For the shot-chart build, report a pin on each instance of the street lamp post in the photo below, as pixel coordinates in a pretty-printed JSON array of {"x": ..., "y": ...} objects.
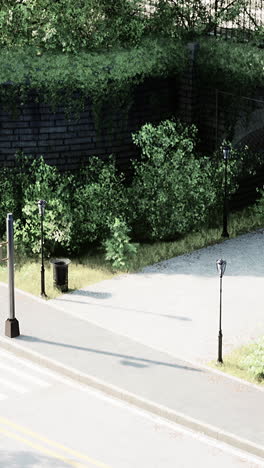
[
  {"x": 221, "y": 266},
  {"x": 41, "y": 206},
  {"x": 226, "y": 154}
]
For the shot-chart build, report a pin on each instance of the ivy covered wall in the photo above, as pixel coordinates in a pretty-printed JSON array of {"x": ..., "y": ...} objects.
[
  {"x": 36, "y": 129},
  {"x": 202, "y": 84}
]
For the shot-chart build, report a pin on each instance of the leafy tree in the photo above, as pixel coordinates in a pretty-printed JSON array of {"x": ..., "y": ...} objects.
[
  {"x": 88, "y": 24},
  {"x": 70, "y": 26},
  {"x": 196, "y": 17}
]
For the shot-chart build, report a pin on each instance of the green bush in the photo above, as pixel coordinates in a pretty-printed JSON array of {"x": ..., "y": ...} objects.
[
  {"x": 172, "y": 191},
  {"x": 259, "y": 206},
  {"x": 118, "y": 246},
  {"x": 14, "y": 180},
  {"x": 99, "y": 197},
  {"x": 80, "y": 209},
  {"x": 254, "y": 362},
  {"x": 49, "y": 185}
]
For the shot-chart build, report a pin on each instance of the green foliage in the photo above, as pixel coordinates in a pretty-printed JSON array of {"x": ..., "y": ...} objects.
[
  {"x": 7, "y": 199},
  {"x": 118, "y": 246},
  {"x": 242, "y": 163},
  {"x": 91, "y": 24},
  {"x": 79, "y": 208},
  {"x": 259, "y": 206},
  {"x": 69, "y": 52},
  {"x": 45, "y": 183},
  {"x": 192, "y": 18},
  {"x": 70, "y": 27},
  {"x": 254, "y": 361},
  {"x": 172, "y": 192},
  {"x": 98, "y": 198},
  {"x": 69, "y": 80},
  {"x": 230, "y": 66}
]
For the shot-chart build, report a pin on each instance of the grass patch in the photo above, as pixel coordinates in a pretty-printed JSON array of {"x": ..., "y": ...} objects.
[
  {"x": 232, "y": 364},
  {"x": 92, "y": 267},
  {"x": 27, "y": 277}
]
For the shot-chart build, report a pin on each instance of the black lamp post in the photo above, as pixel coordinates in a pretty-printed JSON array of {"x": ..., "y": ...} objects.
[
  {"x": 41, "y": 206},
  {"x": 226, "y": 155},
  {"x": 221, "y": 266}
]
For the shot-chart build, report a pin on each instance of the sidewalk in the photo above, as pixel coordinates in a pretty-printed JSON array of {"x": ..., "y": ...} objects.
[{"x": 144, "y": 337}]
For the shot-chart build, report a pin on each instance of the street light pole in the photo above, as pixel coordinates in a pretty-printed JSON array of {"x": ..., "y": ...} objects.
[
  {"x": 226, "y": 154},
  {"x": 11, "y": 324},
  {"x": 221, "y": 266},
  {"x": 41, "y": 206}
]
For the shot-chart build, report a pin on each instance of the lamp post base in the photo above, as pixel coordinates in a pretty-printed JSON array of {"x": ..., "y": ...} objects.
[
  {"x": 220, "y": 338},
  {"x": 225, "y": 234},
  {"x": 12, "y": 328}
]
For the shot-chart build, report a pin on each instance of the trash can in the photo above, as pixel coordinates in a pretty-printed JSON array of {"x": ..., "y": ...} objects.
[{"x": 60, "y": 273}]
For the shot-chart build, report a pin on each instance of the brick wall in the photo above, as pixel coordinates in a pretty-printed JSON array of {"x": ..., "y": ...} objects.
[{"x": 67, "y": 144}]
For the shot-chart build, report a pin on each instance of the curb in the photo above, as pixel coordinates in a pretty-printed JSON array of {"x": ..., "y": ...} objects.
[{"x": 144, "y": 404}]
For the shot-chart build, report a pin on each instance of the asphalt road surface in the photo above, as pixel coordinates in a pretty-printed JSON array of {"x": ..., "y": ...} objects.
[{"x": 48, "y": 421}]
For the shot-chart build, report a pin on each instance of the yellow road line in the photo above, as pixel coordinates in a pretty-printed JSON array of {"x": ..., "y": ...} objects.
[
  {"x": 40, "y": 448},
  {"x": 39, "y": 437}
]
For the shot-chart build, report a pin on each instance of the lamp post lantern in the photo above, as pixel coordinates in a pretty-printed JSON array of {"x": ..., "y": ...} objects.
[
  {"x": 226, "y": 155},
  {"x": 41, "y": 206},
  {"x": 221, "y": 266}
]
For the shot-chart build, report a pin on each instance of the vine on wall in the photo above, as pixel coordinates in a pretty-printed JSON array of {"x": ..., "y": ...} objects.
[
  {"x": 230, "y": 66},
  {"x": 69, "y": 79}
]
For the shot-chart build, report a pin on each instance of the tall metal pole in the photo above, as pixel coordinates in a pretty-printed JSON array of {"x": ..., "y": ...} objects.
[
  {"x": 11, "y": 324},
  {"x": 10, "y": 262},
  {"x": 43, "y": 294},
  {"x": 225, "y": 231},
  {"x": 220, "y": 334}
]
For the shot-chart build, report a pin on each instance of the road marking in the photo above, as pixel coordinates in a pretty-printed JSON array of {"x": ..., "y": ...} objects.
[
  {"x": 34, "y": 435},
  {"x": 16, "y": 387},
  {"x": 43, "y": 370},
  {"x": 23, "y": 374},
  {"x": 41, "y": 448}
]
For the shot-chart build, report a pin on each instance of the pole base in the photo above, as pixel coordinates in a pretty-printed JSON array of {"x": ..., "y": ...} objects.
[
  {"x": 12, "y": 328},
  {"x": 225, "y": 234}
]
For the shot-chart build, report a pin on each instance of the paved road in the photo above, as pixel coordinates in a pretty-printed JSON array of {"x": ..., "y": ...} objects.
[
  {"x": 20, "y": 378},
  {"x": 142, "y": 338},
  {"x": 56, "y": 423}
]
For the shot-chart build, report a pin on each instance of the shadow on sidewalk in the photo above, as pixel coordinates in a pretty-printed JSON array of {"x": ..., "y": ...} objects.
[
  {"x": 95, "y": 294},
  {"x": 127, "y": 360},
  {"x": 108, "y": 306}
]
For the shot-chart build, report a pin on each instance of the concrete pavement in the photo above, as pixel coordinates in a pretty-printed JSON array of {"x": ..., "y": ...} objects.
[{"x": 144, "y": 338}]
